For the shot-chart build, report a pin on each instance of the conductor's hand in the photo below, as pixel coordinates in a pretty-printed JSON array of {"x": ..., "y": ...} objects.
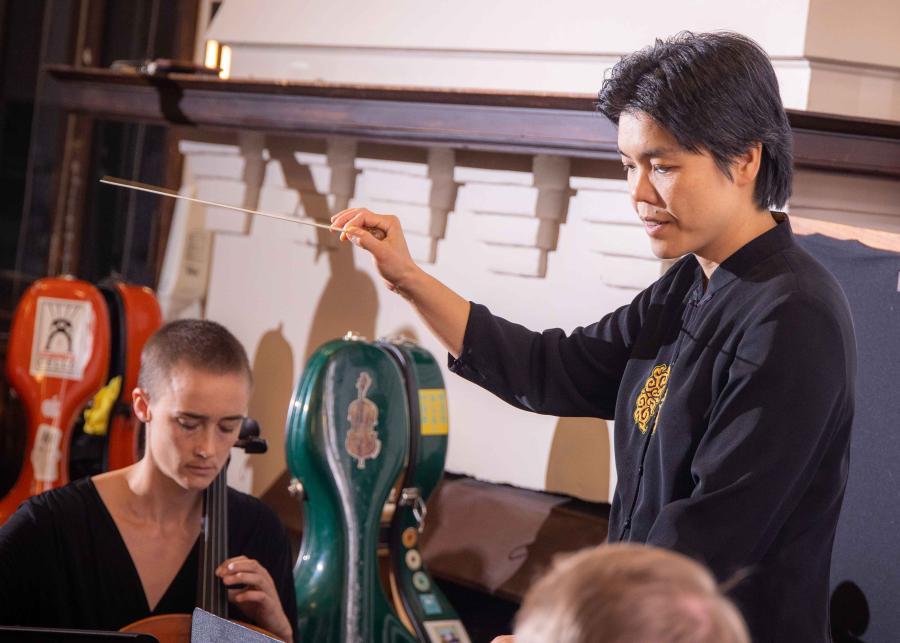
[
  {"x": 257, "y": 596},
  {"x": 391, "y": 255},
  {"x": 445, "y": 312}
]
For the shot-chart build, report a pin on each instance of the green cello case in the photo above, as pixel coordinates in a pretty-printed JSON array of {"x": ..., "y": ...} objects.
[{"x": 347, "y": 439}]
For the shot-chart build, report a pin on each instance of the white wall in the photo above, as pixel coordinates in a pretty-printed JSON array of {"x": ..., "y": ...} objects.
[
  {"x": 861, "y": 31},
  {"x": 565, "y": 26},
  {"x": 830, "y": 55}
]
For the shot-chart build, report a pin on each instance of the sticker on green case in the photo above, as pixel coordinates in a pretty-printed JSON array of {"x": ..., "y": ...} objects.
[{"x": 433, "y": 411}]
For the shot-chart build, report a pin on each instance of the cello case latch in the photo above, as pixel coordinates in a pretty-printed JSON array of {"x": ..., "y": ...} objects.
[{"x": 412, "y": 497}]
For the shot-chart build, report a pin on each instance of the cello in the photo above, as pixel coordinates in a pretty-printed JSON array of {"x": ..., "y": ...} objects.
[
  {"x": 57, "y": 359},
  {"x": 212, "y": 594}
]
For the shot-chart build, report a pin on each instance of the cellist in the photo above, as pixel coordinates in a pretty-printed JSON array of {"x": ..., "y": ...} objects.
[{"x": 106, "y": 551}]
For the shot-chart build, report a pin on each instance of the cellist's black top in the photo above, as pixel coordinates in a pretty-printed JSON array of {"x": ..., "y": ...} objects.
[{"x": 63, "y": 562}]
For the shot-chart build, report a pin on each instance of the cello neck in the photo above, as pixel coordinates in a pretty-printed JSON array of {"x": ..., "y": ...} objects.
[{"x": 212, "y": 594}]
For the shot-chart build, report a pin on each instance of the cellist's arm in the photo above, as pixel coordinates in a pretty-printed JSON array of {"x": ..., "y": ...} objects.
[
  {"x": 444, "y": 311},
  {"x": 258, "y": 598}
]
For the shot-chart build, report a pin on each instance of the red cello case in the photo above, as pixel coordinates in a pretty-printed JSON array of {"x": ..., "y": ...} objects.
[
  {"x": 134, "y": 316},
  {"x": 57, "y": 359}
]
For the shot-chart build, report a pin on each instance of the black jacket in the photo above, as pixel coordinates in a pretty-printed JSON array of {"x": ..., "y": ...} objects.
[{"x": 732, "y": 408}]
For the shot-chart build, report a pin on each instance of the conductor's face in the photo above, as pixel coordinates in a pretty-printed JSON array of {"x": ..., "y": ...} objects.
[
  {"x": 193, "y": 420},
  {"x": 686, "y": 203}
]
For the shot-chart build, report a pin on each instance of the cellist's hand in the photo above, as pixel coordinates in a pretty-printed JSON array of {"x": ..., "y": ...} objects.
[
  {"x": 391, "y": 254},
  {"x": 258, "y": 599}
]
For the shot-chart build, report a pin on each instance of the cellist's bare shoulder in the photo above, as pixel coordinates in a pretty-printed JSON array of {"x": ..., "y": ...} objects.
[{"x": 112, "y": 487}]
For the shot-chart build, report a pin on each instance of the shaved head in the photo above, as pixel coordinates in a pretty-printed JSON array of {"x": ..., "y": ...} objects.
[{"x": 200, "y": 344}]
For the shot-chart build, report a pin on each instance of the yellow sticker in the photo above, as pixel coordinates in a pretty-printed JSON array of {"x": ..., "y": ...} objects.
[
  {"x": 433, "y": 411},
  {"x": 96, "y": 418}
]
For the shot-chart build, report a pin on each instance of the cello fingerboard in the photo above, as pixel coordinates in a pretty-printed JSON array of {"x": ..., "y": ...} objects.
[{"x": 212, "y": 595}]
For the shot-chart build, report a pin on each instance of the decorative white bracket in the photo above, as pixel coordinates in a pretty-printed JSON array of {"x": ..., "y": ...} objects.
[
  {"x": 519, "y": 214},
  {"x": 421, "y": 194}
]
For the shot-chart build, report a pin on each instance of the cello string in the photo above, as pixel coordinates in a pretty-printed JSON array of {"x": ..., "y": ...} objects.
[
  {"x": 215, "y": 537},
  {"x": 216, "y": 584},
  {"x": 204, "y": 573},
  {"x": 201, "y": 585},
  {"x": 217, "y": 544},
  {"x": 222, "y": 539},
  {"x": 224, "y": 533}
]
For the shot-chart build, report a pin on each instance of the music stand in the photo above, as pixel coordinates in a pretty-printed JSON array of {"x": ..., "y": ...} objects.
[
  {"x": 209, "y": 628},
  {"x": 19, "y": 634}
]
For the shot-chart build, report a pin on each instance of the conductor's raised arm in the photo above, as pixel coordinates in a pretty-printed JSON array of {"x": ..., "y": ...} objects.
[{"x": 443, "y": 310}]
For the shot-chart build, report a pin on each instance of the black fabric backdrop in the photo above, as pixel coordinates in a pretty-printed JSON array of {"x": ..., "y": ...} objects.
[{"x": 865, "y": 570}]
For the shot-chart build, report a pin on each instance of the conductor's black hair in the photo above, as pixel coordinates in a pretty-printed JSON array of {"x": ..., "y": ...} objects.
[{"x": 712, "y": 91}]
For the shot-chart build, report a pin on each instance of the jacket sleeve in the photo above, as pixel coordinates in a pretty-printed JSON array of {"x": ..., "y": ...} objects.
[
  {"x": 787, "y": 399},
  {"x": 574, "y": 375}
]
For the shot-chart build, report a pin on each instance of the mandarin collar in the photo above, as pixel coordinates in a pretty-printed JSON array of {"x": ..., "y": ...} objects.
[{"x": 746, "y": 258}]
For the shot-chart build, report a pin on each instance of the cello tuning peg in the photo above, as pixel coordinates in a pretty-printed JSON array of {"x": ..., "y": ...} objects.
[
  {"x": 249, "y": 428},
  {"x": 256, "y": 445},
  {"x": 248, "y": 438}
]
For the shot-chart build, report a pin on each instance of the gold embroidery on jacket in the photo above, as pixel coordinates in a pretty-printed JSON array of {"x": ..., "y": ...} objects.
[{"x": 651, "y": 397}]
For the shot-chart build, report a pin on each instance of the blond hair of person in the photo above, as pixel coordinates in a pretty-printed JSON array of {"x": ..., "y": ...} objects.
[{"x": 627, "y": 593}]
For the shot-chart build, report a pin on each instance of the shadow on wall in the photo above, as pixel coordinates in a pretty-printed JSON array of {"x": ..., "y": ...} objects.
[
  {"x": 580, "y": 459},
  {"x": 349, "y": 301},
  {"x": 273, "y": 377}
]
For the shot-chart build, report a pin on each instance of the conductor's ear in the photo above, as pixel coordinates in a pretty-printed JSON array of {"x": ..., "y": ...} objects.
[
  {"x": 746, "y": 166},
  {"x": 140, "y": 402}
]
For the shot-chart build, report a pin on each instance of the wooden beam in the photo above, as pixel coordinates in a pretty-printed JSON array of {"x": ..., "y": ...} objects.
[
  {"x": 391, "y": 116},
  {"x": 525, "y": 123}
]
